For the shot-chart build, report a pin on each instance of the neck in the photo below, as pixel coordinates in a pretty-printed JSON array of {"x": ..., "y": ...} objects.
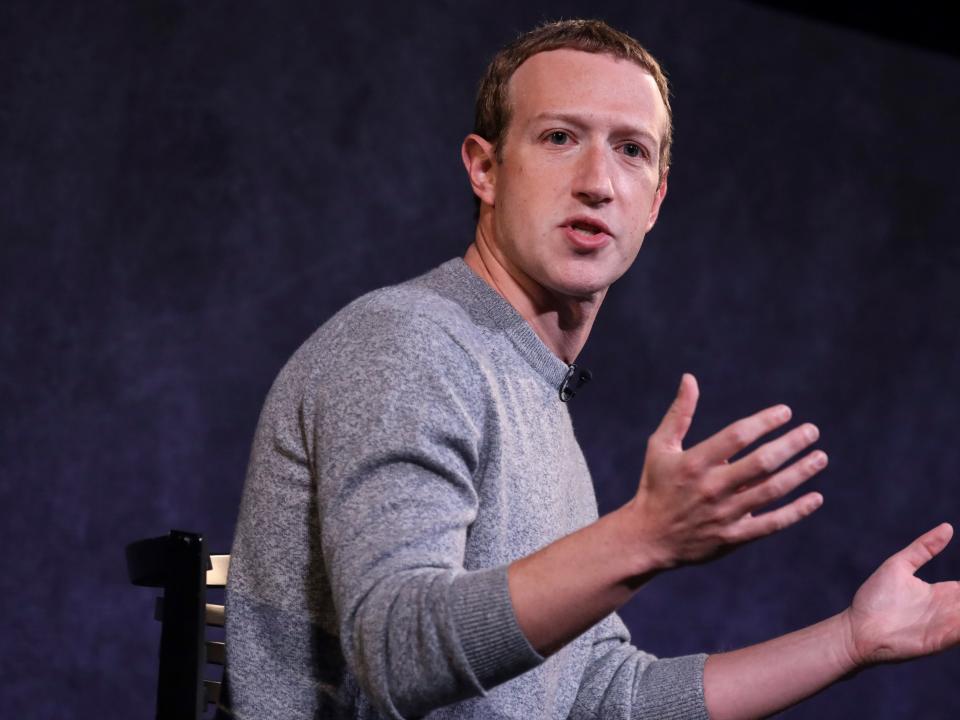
[{"x": 562, "y": 322}]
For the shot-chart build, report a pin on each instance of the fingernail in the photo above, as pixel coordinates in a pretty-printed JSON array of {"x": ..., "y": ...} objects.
[
  {"x": 784, "y": 412},
  {"x": 812, "y": 432},
  {"x": 819, "y": 460}
]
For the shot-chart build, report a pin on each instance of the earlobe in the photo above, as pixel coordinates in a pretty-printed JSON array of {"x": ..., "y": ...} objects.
[
  {"x": 658, "y": 201},
  {"x": 480, "y": 163}
]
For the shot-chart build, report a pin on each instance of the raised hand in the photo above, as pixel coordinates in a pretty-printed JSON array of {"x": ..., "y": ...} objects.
[
  {"x": 896, "y": 615},
  {"x": 694, "y": 504}
]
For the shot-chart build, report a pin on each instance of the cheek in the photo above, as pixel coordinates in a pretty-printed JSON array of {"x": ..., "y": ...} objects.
[
  {"x": 536, "y": 181},
  {"x": 531, "y": 197}
]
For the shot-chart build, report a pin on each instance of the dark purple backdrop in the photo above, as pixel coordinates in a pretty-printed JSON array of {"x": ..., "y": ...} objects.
[{"x": 188, "y": 189}]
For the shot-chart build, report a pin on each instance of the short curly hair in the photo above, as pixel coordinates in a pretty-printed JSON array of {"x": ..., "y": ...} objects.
[{"x": 492, "y": 115}]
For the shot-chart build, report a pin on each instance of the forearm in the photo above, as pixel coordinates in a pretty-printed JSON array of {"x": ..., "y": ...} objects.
[
  {"x": 781, "y": 672},
  {"x": 565, "y": 588},
  {"x": 690, "y": 506},
  {"x": 427, "y": 638}
]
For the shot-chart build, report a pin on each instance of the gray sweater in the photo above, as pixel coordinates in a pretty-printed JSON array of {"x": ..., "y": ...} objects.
[{"x": 409, "y": 451}]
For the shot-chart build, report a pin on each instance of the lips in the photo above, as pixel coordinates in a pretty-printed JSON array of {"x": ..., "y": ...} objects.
[{"x": 586, "y": 233}]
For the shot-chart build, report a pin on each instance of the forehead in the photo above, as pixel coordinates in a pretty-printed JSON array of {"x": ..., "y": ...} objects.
[{"x": 564, "y": 81}]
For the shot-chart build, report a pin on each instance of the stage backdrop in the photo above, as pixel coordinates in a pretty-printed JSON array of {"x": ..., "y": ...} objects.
[{"x": 187, "y": 190}]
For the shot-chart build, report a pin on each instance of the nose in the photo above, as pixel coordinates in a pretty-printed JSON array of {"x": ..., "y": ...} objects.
[{"x": 593, "y": 183}]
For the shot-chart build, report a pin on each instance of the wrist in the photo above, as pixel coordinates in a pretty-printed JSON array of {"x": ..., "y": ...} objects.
[
  {"x": 850, "y": 654},
  {"x": 647, "y": 556}
]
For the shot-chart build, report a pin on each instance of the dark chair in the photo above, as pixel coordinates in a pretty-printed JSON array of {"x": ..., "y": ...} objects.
[{"x": 180, "y": 564}]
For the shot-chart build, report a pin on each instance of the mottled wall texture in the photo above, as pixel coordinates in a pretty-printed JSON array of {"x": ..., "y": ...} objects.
[{"x": 188, "y": 189}]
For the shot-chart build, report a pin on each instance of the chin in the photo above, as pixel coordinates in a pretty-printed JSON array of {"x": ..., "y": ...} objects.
[
  {"x": 581, "y": 288},
  {"x": 585, "y": 284}
]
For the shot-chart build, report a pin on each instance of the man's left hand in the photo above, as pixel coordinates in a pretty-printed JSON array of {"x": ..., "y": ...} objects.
[{"x": 896, "y": 615}]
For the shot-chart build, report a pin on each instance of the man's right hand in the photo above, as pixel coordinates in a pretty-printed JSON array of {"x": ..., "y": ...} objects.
[
  {"x": 692, "y": 505},
  {"x": 695, "y": 504}
]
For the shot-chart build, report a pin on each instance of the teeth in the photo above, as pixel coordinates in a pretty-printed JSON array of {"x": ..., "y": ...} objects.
[{"x": 588, "y": 229}]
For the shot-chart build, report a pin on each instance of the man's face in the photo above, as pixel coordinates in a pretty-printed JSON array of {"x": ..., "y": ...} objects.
[{"x": 579, "y": 183}]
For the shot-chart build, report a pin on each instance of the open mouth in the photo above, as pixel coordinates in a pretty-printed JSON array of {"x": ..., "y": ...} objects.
[
  {"x": 587, "y": 234},
  {"x": 586, "y": 228}
]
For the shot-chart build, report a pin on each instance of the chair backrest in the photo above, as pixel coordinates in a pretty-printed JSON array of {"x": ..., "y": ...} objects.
[{"x": 180, "y": 564}]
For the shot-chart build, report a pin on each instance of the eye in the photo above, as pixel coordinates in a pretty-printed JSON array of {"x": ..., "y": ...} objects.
[
  {"x": 558, "y": 137},
  {"x": 633, "y": 150}
]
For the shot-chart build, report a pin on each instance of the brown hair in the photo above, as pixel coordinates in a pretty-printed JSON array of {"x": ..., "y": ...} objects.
[{"x": 594, "y": 36}]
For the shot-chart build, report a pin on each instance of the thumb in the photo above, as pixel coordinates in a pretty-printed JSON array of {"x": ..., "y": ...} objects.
[
  {"x": 675, "y": 424},
  {"x": 926, "y": 547}
]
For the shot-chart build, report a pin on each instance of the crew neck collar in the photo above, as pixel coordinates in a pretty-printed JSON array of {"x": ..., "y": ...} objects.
[{"x": 488, "y": 307}]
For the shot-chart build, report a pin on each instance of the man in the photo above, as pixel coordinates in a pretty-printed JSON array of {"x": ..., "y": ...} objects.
[{"x": 418, "y": 534}]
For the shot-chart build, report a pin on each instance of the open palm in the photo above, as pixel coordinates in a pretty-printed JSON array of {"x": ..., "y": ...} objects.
[{"x": 896, "y": 615}]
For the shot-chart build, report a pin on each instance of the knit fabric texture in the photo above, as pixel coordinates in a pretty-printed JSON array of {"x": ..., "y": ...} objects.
[{"x": 408, "y": 452}]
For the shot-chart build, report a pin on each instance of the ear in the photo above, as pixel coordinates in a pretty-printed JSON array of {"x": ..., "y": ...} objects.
[
  {"x": 480, "y": 161},
  {"x": 658, "y": 201}
]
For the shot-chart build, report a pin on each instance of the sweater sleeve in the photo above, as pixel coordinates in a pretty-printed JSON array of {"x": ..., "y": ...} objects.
[
  {"x": 396, "y": 437},
  {"x": 623, "y": 682}
]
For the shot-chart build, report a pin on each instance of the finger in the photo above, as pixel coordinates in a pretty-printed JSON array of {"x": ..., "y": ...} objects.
[
  {"x": 675, "y": 424},
  {"x": 926, "y": 547},
  {"x": 780, "y": 484},
  {"x": 736, "y": 436},
  {"x": 768, "y": 458},
  {"x": 776, "y": 520}
]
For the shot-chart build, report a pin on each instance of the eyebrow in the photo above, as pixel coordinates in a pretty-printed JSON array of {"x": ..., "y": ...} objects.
[{"x": 582, "y": 124}]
